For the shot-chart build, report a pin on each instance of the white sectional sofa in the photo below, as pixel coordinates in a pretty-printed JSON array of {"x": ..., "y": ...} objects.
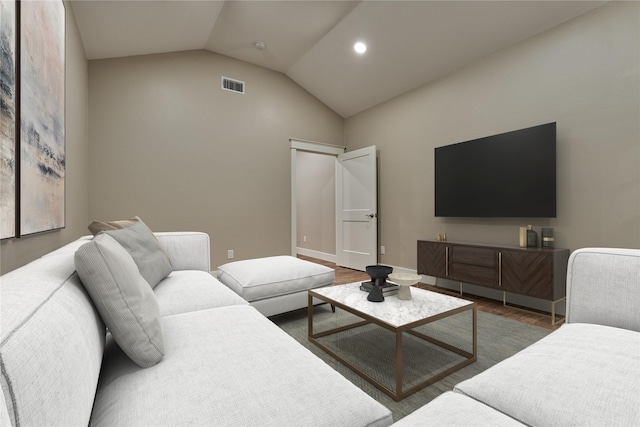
[
  {"x": 223, "y": 362},
  {"x": 586, "y": 373}
]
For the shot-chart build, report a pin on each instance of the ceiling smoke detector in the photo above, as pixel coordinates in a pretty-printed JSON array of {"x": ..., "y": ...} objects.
[{"x": 259, "y": 45}]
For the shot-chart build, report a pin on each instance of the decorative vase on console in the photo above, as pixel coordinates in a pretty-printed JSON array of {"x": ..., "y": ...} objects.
[{"x": 532, "y": 237}]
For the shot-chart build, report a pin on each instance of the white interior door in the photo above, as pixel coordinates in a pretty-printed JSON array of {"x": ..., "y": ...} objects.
[{"x": 356, "y": 205}]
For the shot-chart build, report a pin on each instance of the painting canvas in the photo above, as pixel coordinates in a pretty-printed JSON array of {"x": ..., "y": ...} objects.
[
  {"x": 7, "y": 118},
  {"x": 42, "y": 116}
]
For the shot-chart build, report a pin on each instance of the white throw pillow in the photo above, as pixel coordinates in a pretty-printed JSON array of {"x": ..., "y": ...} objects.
[{"x": 123, "y": 298}]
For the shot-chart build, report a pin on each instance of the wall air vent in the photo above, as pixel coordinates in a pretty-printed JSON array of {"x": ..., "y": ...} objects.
[{"x": 232, "y": 85}]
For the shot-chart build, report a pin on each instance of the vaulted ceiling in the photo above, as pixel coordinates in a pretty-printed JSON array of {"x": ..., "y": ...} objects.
[{"x": 409, "y": 42}]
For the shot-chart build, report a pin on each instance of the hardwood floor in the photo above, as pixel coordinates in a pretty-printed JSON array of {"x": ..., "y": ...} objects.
[{"x": 346, "y": 275}]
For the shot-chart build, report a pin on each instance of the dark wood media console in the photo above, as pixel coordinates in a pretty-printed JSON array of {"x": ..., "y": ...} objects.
[{"x": 534, "y": 272}]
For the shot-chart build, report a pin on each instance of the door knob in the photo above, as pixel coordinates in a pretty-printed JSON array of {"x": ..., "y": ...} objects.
[{"x": 371, "y": 216}]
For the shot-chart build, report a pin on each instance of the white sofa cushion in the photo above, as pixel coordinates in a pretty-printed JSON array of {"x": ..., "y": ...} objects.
[
  {"x": 4, "y": 412},
  {"x": 592, "y": 269},
  {"x": 145, "y": 249},
  {"x": 123, "y": 298},
  {"x": 580, "y": 375},
  {"x": 454, "y": 409},
  {"x": 51, "y": 344},
  {"x": 185, "y": 291},
  {"x": 255, "y": 279},
  {"x": 187, "y": 250},
  {"x": 230, "y": 366}
]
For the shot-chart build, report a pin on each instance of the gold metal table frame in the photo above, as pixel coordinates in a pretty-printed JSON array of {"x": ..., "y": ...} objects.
[{"x": 397, "y": 394}]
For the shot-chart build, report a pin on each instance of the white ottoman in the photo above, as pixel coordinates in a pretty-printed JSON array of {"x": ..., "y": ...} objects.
[{"x": 276, "y": 284}]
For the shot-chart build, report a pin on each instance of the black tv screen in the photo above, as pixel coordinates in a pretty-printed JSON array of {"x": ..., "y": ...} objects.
[{"x": 512, "y": 174}]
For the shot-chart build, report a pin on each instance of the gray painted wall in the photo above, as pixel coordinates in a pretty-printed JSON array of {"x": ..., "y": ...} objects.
[
  {"x": 168, "y": 144},
  {"x": 585, "y": 75}
]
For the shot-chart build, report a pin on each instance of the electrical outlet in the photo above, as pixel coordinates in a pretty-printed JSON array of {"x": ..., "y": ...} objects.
[
  {"x": 230, "y": 254},
  {"x": 304, "y": 239},
  {"x": 381, "y": 250}
]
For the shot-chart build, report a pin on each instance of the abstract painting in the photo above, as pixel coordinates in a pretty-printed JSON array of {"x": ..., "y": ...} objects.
[
  {"x": 42, "y": 116},
  {"x": 7, "y": 118}
]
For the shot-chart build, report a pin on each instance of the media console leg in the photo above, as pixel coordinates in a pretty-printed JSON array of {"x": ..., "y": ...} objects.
[{"x": 553, "y": 309}]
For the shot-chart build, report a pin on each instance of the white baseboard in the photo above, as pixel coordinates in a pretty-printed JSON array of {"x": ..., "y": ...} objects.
[
  {"x": 332, "y": 258},
  {"x": 317, "y": 254}
]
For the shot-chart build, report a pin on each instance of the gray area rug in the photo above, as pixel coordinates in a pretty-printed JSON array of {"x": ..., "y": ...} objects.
[{"x": 372, "y": 349}]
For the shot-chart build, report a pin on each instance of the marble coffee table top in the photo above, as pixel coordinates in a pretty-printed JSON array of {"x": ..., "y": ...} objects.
[{"x": 393, "y": 311}]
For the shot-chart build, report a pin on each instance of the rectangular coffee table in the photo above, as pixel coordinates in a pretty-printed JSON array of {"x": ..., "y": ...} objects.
[{"x": 397, "y": 316}]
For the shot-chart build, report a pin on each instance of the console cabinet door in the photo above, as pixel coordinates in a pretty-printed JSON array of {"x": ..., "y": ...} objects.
[
  {"x": 433, "y": 258},
  {"x": 527, "y": 273}
]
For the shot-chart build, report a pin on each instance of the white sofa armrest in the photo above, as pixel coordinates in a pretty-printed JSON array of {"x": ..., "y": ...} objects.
[
  {"x": 187, "y": 250},
  {"x": 603, "y": 287}
]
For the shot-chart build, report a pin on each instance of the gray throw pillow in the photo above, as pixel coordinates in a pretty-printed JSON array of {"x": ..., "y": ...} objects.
[
  {"x": 123, "y": 298},
  {"x": 142, "y": 245}
]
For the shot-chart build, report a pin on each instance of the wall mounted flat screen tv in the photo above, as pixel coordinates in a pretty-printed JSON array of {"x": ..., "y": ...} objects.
[{"x": 512, "y": 174}]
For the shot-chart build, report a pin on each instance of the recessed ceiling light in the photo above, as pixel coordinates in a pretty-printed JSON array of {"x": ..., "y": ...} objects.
[{"x": 360, "y": 47}]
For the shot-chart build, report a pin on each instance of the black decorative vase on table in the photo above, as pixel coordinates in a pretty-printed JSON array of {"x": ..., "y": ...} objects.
[{"x": 378, "y": 274}]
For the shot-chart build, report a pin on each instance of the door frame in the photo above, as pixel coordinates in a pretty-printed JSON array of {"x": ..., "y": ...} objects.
[{"x": 311, "y": 147}]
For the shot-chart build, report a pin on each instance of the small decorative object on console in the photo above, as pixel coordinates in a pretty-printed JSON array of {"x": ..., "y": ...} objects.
[
  {"x": 548, "y": 240},
  {"x": 523, "y": 237},
  {"x": 405, "y": 280},
  {"x": 378, "y": 274},
  {"x": 532, "y": 237}
]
